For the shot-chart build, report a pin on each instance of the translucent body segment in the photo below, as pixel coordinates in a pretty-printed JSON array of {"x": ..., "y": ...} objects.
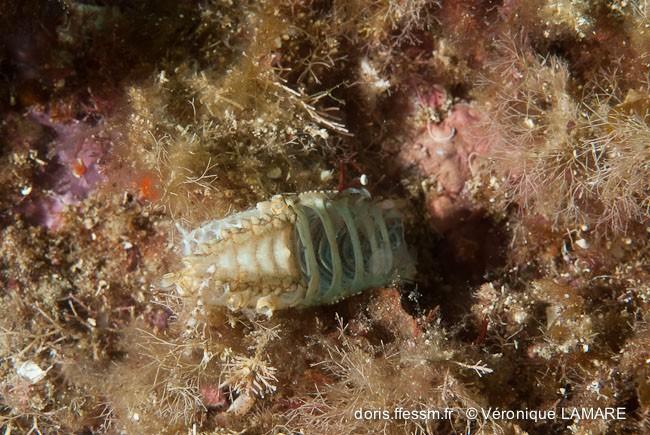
[{"x": 348, "y": 246}]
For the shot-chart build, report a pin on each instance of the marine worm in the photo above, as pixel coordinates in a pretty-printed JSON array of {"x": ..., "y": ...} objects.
[{"x": 295, "y": 250}]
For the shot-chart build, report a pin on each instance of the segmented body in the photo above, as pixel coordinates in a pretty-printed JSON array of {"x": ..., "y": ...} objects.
[{"x": 295, "y": 250}]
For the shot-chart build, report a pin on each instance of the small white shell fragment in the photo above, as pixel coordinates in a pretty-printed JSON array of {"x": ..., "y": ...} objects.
[
  {"x": 582, "y": 243},
  {"x": 370, "y": 74},
  {"x": 363, "y": 180},
  {"x": 326, "y": 175},
  {"x": 528, "y": 122},
  {"x": 31, "y": 372}
]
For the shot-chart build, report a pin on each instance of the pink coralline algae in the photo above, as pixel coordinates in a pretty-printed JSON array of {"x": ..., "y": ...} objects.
[
  {"x": 444, "y": 153},
  {"x": 71, "y": 169}
]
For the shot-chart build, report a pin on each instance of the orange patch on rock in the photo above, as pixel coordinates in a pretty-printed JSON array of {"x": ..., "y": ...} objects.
[
  {"x": 147, "y": 189},
  {"x": 78, "y": 168}
]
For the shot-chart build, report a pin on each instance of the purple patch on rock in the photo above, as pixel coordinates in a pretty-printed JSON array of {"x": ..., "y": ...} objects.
[{"x": 72, "y": 169}]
